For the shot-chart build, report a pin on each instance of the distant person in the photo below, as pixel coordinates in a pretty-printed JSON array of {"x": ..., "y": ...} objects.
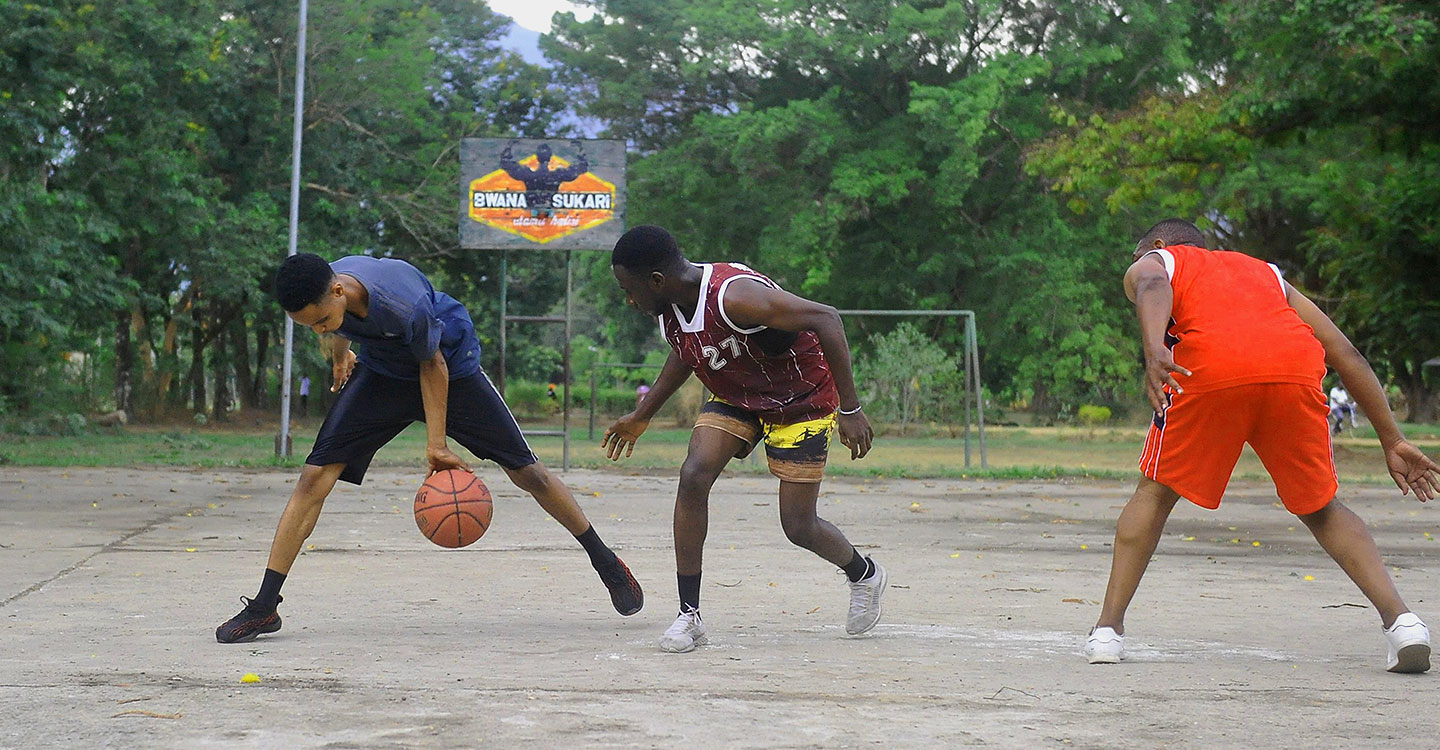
[
  {"x": 779, "y": 368},
  {"x": 1342, "y": 406},
  {"x": 419, "y": 361},
  {"x": 1251, "y": 352},
  {"x": 640, "y": 392},
  {"x": 304, "y": 396}
]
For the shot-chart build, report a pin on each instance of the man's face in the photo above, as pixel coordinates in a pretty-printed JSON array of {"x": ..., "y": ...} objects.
[
  {"x": 642, "y": 291},
  {"x": 325, "y": 314}
]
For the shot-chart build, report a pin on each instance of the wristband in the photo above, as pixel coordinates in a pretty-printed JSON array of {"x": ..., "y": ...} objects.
[{"x": 856, "y": 410}]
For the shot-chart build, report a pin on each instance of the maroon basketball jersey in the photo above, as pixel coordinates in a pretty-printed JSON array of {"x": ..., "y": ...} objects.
[{"x": 781, "y": 376}]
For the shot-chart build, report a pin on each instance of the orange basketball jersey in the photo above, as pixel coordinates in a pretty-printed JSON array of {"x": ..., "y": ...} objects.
[{"x": 1232, "y": 325}]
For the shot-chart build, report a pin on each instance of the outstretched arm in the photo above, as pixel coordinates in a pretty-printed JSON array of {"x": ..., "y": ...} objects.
[
  {"x": 750, "y": 303},
  {"x": 1148, "y": 286},
  {"x": 510, "y": 166},
  {"x": 628, "y": 429},
  {"x": 1410, "y": 468}
]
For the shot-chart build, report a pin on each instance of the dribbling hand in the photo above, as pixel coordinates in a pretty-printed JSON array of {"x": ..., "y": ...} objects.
[
  {"x": 441, "y": 458},
  {"x": 343, "y": 366}
]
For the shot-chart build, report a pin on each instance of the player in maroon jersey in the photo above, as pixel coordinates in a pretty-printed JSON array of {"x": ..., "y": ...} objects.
[{"x": 779, "y": 368}]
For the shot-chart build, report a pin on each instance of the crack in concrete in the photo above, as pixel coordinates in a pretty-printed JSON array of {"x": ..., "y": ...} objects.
[{"x": 107, "y": 547}]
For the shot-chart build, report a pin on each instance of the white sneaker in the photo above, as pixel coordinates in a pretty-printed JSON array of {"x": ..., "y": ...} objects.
[
  {"x": 1409, "y": 642},
  {"x": 865, "y": 601},
  {"x": 684, "y": 634},
  {"x": 1105, "y": 646}
]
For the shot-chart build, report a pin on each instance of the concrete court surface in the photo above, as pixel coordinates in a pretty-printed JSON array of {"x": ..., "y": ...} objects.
[{"x": 112, "y": 583}]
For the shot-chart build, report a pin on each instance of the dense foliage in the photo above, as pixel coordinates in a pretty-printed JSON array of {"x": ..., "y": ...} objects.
[{"x": 996, "y": 155}]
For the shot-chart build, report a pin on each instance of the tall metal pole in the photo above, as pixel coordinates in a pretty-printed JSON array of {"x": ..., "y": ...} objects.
[
  {"x": 969, "y": 389},
  {"x": 565, "y": 403},
  {"x": 974, "y": 344},
  {"x": 282, "y": 445},
  {"x": 504, "y": 318}
]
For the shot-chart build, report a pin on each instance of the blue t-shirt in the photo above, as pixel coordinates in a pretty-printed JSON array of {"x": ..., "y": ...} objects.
[{"x": 407, "y": 321}]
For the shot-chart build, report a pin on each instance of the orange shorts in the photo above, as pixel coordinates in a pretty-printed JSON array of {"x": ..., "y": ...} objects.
[{"x": 1193, "y": 446}]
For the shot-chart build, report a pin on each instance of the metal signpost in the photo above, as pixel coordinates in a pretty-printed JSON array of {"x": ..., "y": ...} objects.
[
  {"x": 541, "y": 194},
  {"x": 283, "y": 441}
]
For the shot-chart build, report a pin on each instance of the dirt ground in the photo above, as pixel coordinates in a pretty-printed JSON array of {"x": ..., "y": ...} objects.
[{"x": 1244, "y": 633}]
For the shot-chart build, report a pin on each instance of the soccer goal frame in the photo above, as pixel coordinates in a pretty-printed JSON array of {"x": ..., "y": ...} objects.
[{"x": 972, "y": 366}]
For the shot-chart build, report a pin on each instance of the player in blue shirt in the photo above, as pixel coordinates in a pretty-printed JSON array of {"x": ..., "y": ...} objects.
[{"x": 419, "y": 360}]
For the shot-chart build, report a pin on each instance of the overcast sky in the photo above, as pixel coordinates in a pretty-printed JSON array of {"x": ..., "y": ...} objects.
[{"x": 535, "y": 14}]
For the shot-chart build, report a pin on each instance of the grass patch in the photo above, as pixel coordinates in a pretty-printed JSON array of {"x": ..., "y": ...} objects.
[{"x": 1012, "y": 452}]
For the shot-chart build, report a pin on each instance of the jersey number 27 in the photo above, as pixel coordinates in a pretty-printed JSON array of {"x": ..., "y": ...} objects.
[{"x": 714, "y": 353}]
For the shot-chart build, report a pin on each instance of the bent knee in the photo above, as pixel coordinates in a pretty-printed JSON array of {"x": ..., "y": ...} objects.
[
  {"x": 696, "y": 479},
  {"x": 534, "y": 479},
  {"x": 315, "y": 483},
  {"x": 801, "y": 532},
  {"x": 1322, "y": 514}
]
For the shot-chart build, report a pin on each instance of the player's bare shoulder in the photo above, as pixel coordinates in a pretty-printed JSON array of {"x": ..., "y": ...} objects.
[
  {"x": 1148, "y": 267},
  {"x": 748, "y": 300}
]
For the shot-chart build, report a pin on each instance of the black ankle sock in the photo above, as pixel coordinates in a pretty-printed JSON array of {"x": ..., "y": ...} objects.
[
  {"x": 859, "y": 567},
  {"x": 689, "y": 592},
  {"x": 596, "y": 549},
  {"x": 269, "y": 595}
]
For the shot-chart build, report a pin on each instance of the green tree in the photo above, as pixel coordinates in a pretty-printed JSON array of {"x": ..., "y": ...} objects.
[
  {"x": 871, "y": 154},
  {"x": 146, "y": 172},
  {"x": 902, "y": 365},
  {"x": 1316, "y": 148}
]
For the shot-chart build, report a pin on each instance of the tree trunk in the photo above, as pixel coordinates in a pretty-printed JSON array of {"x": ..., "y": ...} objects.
[
  {"x": 1422, "y": 404},
  {"x": 149, "y": 384},
  {"x": 240, "y": 346},
  {"x": 197, "y": 361},
  {"x": 262, "y": 348},
  {"x": 1041, "y": 405},
  {"x": 124, "y": 355},
  {"x": 220, "y": 364},
  {"x": 124, "y": 363},
  {"x": 169, "y": 365},
  {"x": 170, "y": 360}
]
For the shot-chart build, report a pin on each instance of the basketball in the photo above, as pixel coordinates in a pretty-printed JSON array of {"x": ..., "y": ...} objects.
[{"x": 453, "y": 508}]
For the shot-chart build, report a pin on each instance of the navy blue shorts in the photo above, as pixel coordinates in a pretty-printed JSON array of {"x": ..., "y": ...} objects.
[{"x": 372, "y": 409}]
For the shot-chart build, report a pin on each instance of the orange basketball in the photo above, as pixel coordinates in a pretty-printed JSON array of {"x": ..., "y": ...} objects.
[{"x": 453, "y": 508}]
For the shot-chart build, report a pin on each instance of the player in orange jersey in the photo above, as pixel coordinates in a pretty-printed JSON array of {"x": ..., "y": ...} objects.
[{"x": 1249, "y": 352}]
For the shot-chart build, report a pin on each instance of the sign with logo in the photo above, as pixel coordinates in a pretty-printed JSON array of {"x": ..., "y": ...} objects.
[{"x": 529, "y": 193}]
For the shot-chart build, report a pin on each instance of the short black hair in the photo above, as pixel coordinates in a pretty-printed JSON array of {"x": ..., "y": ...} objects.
[
  {"x": 1173, "y": 232},
  {"x": 301, "y": 280},
  {"x": 645, "y": 249}
]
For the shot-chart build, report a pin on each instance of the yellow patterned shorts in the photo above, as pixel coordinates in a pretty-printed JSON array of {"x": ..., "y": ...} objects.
[{"x": 796, "y": 452}]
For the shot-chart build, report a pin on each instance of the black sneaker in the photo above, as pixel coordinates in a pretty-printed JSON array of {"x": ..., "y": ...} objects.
[
  {"x": 252, "y": 621},
  {"x": 625, "y": 591}
]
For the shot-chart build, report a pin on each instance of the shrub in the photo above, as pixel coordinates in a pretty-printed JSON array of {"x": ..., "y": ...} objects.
[{"x": 50, "y": 425}]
